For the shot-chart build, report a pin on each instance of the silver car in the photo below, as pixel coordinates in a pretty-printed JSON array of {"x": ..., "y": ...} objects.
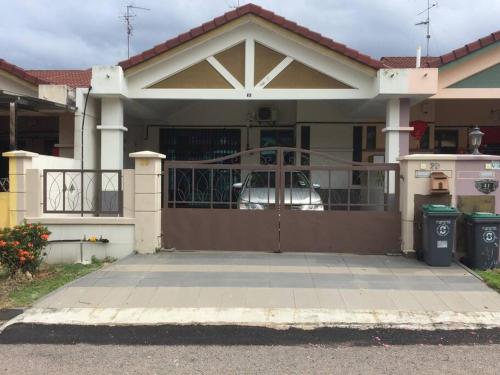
[{"x": 258, "y": 192}]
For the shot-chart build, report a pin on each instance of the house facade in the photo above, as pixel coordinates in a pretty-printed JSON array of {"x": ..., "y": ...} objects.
[{"x": 251, "y": 95}]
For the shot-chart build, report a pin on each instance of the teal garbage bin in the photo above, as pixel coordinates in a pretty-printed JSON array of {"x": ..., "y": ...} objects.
[
  {"x": 482, "y": 240},
  {"x": 439, "y": 230}
]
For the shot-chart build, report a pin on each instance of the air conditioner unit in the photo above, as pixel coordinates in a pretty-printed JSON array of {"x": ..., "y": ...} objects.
[{"x": 267, "y": 114}]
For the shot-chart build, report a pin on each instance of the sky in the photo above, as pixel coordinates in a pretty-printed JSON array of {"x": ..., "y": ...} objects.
[{"x": 52, "y": 34}]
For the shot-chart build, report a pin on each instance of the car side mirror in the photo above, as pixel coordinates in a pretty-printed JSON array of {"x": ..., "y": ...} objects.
[
  {"x": 316, "y": 186},
  {"x": 238, "y": 185}
]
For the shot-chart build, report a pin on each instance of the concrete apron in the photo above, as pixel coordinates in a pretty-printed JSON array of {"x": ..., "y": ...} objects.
[{"x": 445, "y": 307}]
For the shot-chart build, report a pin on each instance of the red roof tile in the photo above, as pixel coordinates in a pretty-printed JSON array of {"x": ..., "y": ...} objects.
[
  {"x": 402, "y": 62},
  {"x": 73, "y": 78},
  {"x": 464, "y": 51},
  {"x": 20, "y": 73},
  {"x": 262, "y": 13}
]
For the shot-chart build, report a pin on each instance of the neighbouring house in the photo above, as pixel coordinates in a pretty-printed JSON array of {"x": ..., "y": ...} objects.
[{"x": 338, "y": 149}]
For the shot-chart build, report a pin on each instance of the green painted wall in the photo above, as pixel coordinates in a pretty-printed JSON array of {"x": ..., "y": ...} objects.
[{"x": 488, "y": 78}]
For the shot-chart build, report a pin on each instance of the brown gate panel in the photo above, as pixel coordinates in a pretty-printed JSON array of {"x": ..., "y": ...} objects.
[
  {"x": 359, "y": 232},
  {"x": 294, "y": 200},
  {"x": 220, "y": 229}
]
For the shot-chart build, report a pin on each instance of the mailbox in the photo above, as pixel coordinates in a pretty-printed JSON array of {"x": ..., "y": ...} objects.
[{"x": 439, "y": 183}]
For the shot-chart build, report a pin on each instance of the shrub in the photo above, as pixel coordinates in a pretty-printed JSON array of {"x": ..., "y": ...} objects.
[{"x": 21, "y": 247}]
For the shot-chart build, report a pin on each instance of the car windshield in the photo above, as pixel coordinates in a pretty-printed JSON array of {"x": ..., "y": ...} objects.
[{"x": 296, "y": 180}]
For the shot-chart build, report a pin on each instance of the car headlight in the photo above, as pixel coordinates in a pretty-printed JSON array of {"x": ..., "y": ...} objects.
[
  {"x": 312, "y": 207},
  {"x": 251, "y": 206}
]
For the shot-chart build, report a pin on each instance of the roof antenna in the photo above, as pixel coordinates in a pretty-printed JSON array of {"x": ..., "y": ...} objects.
[
  {"x": 427, "y": 22},
  {"x": 235, "y": 4},
  {"x": 127, "y": 17}
]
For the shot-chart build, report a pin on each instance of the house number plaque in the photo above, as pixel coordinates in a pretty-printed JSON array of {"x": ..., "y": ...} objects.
[{"x": 486, "y": 186}]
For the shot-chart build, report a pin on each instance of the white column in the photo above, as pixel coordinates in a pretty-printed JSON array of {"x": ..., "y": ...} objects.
[
  {"x": 397, "y": 132},
  {"x": 397, "y": 129},
  {"x": 112, "y": 129},
  {"x": 147, "y": 201}
]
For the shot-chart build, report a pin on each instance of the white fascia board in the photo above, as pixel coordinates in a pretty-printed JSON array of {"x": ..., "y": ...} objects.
[
  {"x": 408, "y": 82},
  {"x": 235, "y": 94},
  {"x": 108, "y": 80},
  {"x": 310, "y": 94},
  {"x": 224, "y": 72},
  {"x": 226, "y": 94}
]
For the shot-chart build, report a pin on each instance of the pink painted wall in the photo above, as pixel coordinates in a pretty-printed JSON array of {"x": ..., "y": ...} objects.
[{"x": 468, "y": 171}]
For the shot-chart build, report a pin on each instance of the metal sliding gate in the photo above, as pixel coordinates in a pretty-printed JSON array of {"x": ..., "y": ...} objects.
[{"x": 281, "y": 199}]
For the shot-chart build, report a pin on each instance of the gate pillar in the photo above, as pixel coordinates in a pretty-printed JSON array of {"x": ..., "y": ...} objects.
[
  {"x": 147, "y": 199},
  {"x": 19, "y": 162}
]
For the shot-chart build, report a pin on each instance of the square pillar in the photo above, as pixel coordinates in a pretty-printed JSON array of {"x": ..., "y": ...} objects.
[
  {"x": 19, "y": 163},
  {"x": 397, "y": 129},
  {"x": 147, "y": 201},
  {"x": 112, "y": 129}
]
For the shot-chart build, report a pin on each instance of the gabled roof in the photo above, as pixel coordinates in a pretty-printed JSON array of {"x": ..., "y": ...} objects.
[
  {"x": 71, "y": 77},
  {"x": 259, "y": 12},
  {"x": 465, "y": 50},
  {"x": 402, "y": 62},
  {"x": 20, "y": 73}
]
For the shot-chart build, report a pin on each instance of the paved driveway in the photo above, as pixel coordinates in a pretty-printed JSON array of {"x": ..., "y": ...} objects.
[{"x": 279, "y": 288}]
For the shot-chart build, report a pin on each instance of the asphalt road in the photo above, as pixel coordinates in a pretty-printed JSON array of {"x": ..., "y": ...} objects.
[{"x": 213, "y": 359}]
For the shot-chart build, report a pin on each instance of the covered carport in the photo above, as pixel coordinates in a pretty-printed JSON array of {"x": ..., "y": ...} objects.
[{"x": 32, "y": 124}]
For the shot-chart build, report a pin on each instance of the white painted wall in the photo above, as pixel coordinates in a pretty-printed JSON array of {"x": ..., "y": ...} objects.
[
  {"x": 54, "y": 162},
  {"x": 66, "y": 135},
  {"x": 121, "y": 242},
  {"x": 332, "y": 139},
  {"x": 90, "y": 137},
  {"x": 112, "y": 129},
  {"x": 15, "y": 85}
]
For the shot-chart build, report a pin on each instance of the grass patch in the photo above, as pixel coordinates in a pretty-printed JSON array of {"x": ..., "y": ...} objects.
[
  {"x": 492, "y": 278},
  {"x": 22, "y": 293}
]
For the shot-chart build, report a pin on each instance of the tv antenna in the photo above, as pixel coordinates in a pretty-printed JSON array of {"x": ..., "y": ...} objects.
[
  {"x": 427, "y": 22},
  {"x": 127, "y": 17},
  {"x": 235, "y": 4}
]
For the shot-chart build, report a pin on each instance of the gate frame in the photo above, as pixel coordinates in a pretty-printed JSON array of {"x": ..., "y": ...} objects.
[{"x": 281, "y": 169}]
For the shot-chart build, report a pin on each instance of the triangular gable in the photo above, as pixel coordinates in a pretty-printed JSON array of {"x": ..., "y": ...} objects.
[
  {"x": 299, "y": 76},
  {"x": 233, "y": 59},
  {"x": 226, "y": 70},
  {"x": 201, "y": 76},
  {"x": 487, "y": 78},
  {"x": 265, "y": 60}
]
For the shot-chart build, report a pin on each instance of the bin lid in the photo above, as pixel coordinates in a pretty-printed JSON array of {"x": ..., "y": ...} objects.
[
  {"x": 438, "y": 208},
  {"x": 482, "y": 215}
]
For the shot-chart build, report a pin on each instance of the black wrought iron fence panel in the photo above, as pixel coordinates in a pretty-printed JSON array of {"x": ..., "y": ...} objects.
[
  {"x": 202, "y": 187},
  {"x": 87, "y": 191},
  {"x": 4, "y": 184}
]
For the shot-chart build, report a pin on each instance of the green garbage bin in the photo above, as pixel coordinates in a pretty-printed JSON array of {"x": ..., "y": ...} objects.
[
  {"x": 482, "y": 240},
  {"x": 439, "y": 227}
]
